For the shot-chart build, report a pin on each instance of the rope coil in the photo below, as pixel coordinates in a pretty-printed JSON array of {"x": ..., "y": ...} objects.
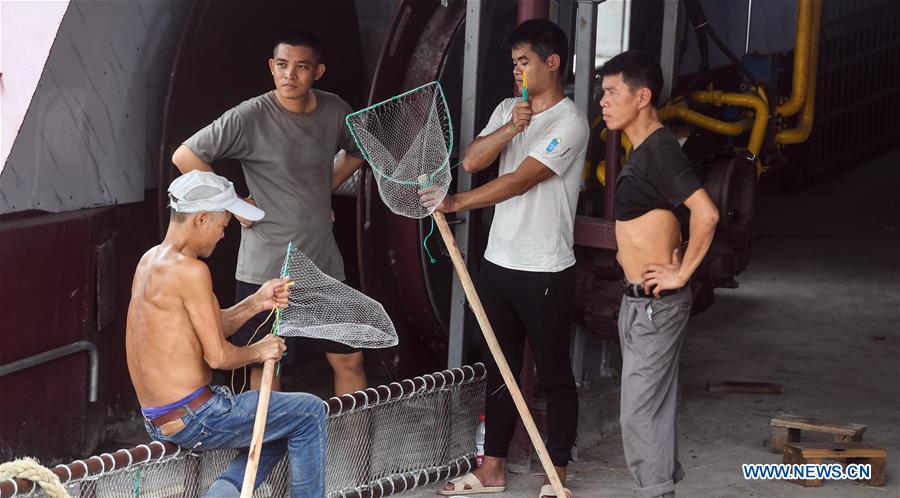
[{"x": 31, "y": 470}]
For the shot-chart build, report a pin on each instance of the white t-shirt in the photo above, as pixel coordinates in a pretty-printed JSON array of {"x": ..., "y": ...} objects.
[{"x": 534, "y": 231}]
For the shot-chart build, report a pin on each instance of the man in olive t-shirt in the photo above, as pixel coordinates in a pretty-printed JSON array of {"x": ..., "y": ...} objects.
[{"x": 286, "y": 141}]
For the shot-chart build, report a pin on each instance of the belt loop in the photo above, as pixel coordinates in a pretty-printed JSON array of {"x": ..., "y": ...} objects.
[{"x": 188, "y": 410}]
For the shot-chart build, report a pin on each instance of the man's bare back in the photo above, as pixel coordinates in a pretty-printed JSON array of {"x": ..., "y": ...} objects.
[
  {"x": 165, "y": 356},
  {"x": 175, "y": 332}
]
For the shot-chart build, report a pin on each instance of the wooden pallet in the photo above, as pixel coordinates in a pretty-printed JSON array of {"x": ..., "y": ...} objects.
[
  {"x": 786, "y": 429},
  {"x": 815, "y": 453}
]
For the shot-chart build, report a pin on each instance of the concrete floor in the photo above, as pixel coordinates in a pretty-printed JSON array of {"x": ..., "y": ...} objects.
[{"x": 818, "y": 311}]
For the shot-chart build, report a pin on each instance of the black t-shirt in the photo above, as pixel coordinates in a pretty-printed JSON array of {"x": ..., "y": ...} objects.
[{"x": 657, "y": 175}]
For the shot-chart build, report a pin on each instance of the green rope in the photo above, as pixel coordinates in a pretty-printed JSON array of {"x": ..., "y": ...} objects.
[
  {"x": 425, "y": 243},
  {"x": 276, "y": 327},
  {"x": 137, "y": 483}
]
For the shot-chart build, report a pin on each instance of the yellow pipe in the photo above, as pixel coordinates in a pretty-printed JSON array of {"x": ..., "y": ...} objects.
[
  {"x": 804, "y": 126},
  {"x": 682, "y": 112},
  {"x": 626, "y": 143},
  {"x": 754, "y": 102},
  {"x": 762, "y": 95},
  {"x": 801, "y": 60},
  {"x": 600, "y": 170}
]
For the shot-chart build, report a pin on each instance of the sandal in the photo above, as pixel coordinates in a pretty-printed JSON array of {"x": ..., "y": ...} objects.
[{"x": 475, "y": 486}]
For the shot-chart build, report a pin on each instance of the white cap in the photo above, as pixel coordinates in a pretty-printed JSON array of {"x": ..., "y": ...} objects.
[{"x": 198, "y": 191}]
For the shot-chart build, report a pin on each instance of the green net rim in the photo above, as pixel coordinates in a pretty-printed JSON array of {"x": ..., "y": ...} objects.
[{"x": 395, "y": 98}]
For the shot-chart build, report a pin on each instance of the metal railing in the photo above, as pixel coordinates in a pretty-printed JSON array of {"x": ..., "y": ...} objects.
[{"x": 55, "y": 354}]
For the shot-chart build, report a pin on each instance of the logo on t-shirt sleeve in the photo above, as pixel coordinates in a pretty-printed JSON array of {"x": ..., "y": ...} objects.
[{"x": 552, "y": 145}]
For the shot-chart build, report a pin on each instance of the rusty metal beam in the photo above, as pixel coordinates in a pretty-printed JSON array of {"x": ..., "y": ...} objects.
[
  {"x": 595, "y": 232},
  {"x": 612, "y": 173},
  {"x": 532, "y": 9}
]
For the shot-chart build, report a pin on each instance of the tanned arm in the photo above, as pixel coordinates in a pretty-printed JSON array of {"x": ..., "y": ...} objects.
[
  {"x": 483, "y": 151},
  {"x": 529, "y": 173},
  {"x": 345, "y": 165},
  {"x": 272, "y": 293},
  {"x": 185, "y": 160},
  {"x": 704, "y": 218},
  {"x": 195, "y": 286}
]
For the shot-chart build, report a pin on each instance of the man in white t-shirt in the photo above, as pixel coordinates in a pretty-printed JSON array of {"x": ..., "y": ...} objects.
[{"x": 527, "y": 280}]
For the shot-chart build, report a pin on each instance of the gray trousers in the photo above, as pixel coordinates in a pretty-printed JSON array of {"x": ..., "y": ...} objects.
[{"x": 651, "y": 332}]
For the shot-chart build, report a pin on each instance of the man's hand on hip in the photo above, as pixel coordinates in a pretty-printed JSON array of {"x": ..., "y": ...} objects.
[{"x": 657, "y": 278}]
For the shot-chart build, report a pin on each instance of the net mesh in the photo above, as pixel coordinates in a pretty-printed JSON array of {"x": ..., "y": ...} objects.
[
  {"x": 321, "y": 307},
  {"x": 407, "y": 140},
  {"x": 381, "y": 441}
]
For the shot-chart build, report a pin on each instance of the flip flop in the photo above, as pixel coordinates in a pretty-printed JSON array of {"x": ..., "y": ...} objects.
[
  {"x": 475, "y": 486},
  {"x": 547, "y": 490}
]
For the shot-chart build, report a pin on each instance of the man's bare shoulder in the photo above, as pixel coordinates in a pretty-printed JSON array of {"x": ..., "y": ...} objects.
[
  {"x": 192, "y": 268},
  {"x": 169, "y": 266},
  {"x": 191, "y": 276}
]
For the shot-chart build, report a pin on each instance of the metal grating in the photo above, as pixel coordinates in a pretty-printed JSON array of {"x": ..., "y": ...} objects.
[
  {"x": 381, "y": 441},
  {"x": 858, "y": 86}
]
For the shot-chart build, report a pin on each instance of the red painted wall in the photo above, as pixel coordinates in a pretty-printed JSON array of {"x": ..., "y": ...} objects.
[{"x": 49, "y": 292}]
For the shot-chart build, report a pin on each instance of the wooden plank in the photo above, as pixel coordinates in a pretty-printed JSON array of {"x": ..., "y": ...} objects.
[
  {"x": 879, "y": 472},
  {"x": 782, "y": 435},
  {"x": 746, "y": 387},
  {"x": 838, "y": 450},
  {"x": 858, "y": 453},
  {"x": 794, "y": 456},
  {"x": 811, "y": 424}
]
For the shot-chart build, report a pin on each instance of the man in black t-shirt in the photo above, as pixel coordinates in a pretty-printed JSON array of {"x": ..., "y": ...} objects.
[{"x": 655, "y": 183}]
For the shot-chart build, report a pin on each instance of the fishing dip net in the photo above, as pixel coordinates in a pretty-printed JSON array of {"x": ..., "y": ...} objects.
[
  {"x": 407, "y": 140},
  {"x": 324, "y": 308}
]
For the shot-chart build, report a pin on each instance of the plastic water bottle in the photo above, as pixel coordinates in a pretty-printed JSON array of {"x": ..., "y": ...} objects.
[{"x": 479, "y": 443}]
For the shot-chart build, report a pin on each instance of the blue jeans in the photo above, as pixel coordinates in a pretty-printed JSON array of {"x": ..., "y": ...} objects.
[{"x": 295, "y": 423}]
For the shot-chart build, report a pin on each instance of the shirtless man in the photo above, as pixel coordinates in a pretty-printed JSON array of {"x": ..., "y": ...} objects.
[
  {"x": 175, "y": 336},
  {"x": 656, "y": 184}
]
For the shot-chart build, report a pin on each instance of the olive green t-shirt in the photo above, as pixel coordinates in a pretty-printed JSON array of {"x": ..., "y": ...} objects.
[{"x": 288, "y": 160}]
